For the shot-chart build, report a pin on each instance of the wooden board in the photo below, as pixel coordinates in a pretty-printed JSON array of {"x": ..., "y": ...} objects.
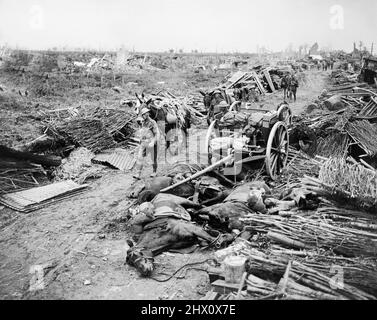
[
  {"x": 215, "y": 274},
  {"x": 222, "y": 287},
  {"x": 269, "y": 80},
  {"x": 234, "y": 79},
  {"x": 210, "y": 296},
  {"x": 260, "y": 86},
  {"x": 35, "y": 198}
]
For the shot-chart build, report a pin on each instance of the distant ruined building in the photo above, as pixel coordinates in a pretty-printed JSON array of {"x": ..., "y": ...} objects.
[{"x": 314, "y": 49}]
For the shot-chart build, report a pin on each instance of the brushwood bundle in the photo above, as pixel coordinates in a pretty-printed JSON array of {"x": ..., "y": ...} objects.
[
  {"x": 97, "y": 130},
  {"x": 353, "y": 180}
]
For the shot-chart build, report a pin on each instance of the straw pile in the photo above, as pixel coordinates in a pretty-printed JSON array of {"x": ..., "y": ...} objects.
[
  {"x": 351, "y": 181},
  {"x": 365, "y": 134},
  {"x": 335, "y": 145}
]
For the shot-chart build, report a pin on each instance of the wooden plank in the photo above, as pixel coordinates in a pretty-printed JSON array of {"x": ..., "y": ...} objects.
[
  {"x": 369, "y": 109},
  {"x": 367, "y": 91},
  {"x": 260, "y": 86},
  {"x": 35, "y": 198},
  {"x": 211, "y": 295},
  {"x": 255, "y": 109},
  {"x": 347, "y": 86},
  {"x": 32, "y": 157},
  {"x": 241, "y": 285},
  {"x": 235, "y": 79},
  {"x": 215, "y": 274},
  {"x": 269, "y": 80},
  {"x": 223, "y": 287}
]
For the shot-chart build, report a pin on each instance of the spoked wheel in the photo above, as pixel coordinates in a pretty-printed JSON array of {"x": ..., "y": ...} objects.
[
  {"x": 277, "y": 150},
  {"x": 212, "y": 132},
  {"x": 285, "y": 114}
]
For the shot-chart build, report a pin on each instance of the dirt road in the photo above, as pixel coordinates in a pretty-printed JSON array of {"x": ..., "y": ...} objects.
[
  {"x": 80, "y": 243},
  {"x": 309, "y": 89}
]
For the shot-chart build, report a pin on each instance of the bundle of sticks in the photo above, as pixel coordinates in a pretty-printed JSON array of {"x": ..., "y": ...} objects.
[
  {"x": 299, "y": 164},
  {"x": 119, "y": 123},
  {"x": 17, "y": 179},
  {"x": 96, "y": 129},
  {"x": 369, "y": 109},
  {"x": 291, "y": 275},
  {"x": 178, "y": 106},
  {"x": 309, "y": 233},
  {"x": 349, "y": 125},
  {"x": 114, "y": 120},
  {"x": 347, "y": 217},
  {"x": 61, "y": 113},
  {"x": 89, "y": 133},
  {"x": 334, "y": 120},
  {"x": 343, "y": 77}
]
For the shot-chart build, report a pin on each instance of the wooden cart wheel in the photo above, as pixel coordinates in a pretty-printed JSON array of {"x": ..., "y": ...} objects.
[
  {"x": 277, "y": 149},
  {"x": 212, "y": 132},
  {"x": 285, "y": 114}
]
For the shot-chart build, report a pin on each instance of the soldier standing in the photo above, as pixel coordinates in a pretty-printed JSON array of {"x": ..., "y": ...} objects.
[
  {"x": 149, "y": 136},
  {"x": 293, "y": 86}
]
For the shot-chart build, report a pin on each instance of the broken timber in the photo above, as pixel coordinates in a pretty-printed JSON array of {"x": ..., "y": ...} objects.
[
  {"x": 35, "y": 158},
  {"x": 269, "y": 80},
  {"x": 259, "y": 84}
]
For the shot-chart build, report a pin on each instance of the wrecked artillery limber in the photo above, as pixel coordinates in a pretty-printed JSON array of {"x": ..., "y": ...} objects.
[{"x": 250, "y": 134}]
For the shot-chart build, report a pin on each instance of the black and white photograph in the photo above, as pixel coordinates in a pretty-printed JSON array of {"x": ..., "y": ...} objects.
[{"x": 206, "y": 151}]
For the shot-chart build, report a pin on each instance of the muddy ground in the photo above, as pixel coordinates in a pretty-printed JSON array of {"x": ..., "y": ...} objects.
[{"x": 81, "y": 241}]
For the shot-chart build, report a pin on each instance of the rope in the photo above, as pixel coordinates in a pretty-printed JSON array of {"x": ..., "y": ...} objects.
[{"x": 179, "y": 269}]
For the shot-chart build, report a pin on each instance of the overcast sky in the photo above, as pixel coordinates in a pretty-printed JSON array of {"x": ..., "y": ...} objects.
[{"x": 206, "y": 25}]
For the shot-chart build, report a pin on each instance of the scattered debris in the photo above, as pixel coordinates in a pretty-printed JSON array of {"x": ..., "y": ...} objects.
[{"x": 78, "y": 167}]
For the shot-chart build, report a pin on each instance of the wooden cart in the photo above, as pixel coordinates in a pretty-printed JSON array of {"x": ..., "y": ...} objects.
[{"x": 264, "y": 138}]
